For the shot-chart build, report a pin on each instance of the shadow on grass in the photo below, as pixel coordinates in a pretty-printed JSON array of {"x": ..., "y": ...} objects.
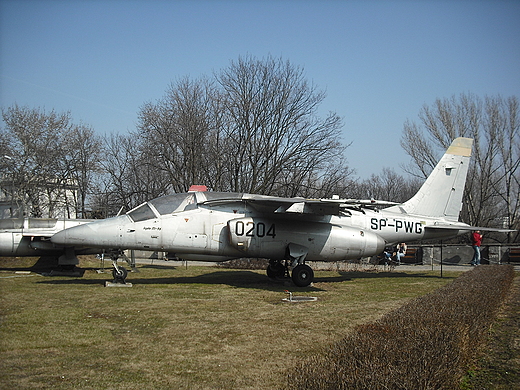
[
  {"x": 235, "y": 278},
  {"x": 152, "y": 266},
  {"x": 386, "y": 274},
  {"x": 40, "y": 265}
]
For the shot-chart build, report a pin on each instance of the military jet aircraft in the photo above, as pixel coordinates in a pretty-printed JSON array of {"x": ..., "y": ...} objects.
[
  {"x": 31, "y": 237},
  {"x": 216, "y": 226}
]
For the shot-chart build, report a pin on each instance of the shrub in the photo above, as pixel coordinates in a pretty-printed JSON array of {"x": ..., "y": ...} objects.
[
  {"x": 426, "y": 344},
  {"x": 245, "y": 263}
]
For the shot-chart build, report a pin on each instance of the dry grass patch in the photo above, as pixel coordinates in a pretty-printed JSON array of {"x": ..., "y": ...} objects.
[{"x": 194, "y": 328}]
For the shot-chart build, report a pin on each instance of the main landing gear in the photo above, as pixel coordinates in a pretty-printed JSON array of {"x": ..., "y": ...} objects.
[{"x": 302, "y": 275}]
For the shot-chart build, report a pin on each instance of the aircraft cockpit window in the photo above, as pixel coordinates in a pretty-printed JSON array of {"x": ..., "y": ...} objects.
[
  {"x": 142, "y": 213},
  {"x": 172, "y": 203}
]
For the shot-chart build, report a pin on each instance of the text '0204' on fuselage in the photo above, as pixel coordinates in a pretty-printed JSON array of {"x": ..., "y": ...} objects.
[{"x": 214, "y": 226}]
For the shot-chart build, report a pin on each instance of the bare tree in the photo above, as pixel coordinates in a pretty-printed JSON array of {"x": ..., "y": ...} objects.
[
  {"x": 51, "y": 161},
  {"x": 388, "y": 185},
  {"x": 253, "y": 129},
  {"x": 492, "y": 189},
  {"x": 332, "y": 178},
  {"x": 128, "y": 176},
  {"x": 272, "y": 128},
  {"x": 178, "y": 132},
  {"x": 507, "y": 185},
  {"x": 83, "y": 160}
]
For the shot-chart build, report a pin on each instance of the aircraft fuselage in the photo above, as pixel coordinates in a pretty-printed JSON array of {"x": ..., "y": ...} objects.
[{"x": 232, "y": 231}]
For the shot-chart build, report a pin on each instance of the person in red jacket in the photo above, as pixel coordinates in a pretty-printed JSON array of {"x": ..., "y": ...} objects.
[{"x": 476, "y": 241}]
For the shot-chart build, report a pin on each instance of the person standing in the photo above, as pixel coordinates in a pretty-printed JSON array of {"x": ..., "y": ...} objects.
[{"x": 476, "y": 241}]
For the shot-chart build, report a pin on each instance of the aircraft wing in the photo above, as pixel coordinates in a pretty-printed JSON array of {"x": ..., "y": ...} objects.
[{"x": 274, "y": 204}]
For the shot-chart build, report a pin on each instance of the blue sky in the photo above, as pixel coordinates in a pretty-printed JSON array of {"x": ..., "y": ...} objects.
[{"x": 379, "y": 61}]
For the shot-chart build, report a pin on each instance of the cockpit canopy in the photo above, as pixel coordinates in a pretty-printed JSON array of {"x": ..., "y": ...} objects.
[
  {"x": 177, "y": 202},
  {"x": 164, "y": 205},
  {"x": 174, "y": 203}
]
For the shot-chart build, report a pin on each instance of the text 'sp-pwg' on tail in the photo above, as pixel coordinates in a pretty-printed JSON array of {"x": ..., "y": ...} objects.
[{"x": 441, "y": 194}]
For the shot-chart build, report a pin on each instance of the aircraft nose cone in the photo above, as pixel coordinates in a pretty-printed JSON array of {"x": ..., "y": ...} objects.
[{"x": 104, "y": 233}]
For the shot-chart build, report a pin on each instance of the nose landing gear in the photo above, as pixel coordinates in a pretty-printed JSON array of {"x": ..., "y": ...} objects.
[{"x": 119, "y": 273}]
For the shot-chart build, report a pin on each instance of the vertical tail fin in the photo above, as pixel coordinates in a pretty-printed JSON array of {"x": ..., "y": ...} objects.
[{"x": 441, "y": 194}]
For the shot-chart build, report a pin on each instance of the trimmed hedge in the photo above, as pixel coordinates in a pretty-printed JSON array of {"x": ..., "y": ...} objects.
[
  {"x": 245, "y": 263},
  {"x": 428, "y": 343}
]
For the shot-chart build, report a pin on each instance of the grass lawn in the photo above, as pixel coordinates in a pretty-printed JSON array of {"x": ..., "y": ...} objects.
[
  {"x": 182, "y": 328},
  {"x": 499, "y": 367}
]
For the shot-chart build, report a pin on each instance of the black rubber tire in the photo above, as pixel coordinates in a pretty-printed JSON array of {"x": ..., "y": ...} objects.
[
  {"x": 302, "y": 275},
  {"x": 275, "y": 270},
  {"x": 120, "y": 277}
]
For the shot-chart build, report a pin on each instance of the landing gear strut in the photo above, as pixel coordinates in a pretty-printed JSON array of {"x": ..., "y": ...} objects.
[{"x": 119, "y": 273}]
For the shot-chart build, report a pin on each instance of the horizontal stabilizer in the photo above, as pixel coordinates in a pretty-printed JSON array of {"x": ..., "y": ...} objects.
[{"x": 468, "y": 228}]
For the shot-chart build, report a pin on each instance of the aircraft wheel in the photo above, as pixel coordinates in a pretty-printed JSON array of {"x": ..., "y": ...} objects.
[
  {"x": 119, "y": 275},
  {"x": 275, "y": 270},
  {"x": 302, "y": 275}
]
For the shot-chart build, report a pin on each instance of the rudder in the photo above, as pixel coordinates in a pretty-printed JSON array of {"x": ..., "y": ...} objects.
[{"x": 441, "y": 194}]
